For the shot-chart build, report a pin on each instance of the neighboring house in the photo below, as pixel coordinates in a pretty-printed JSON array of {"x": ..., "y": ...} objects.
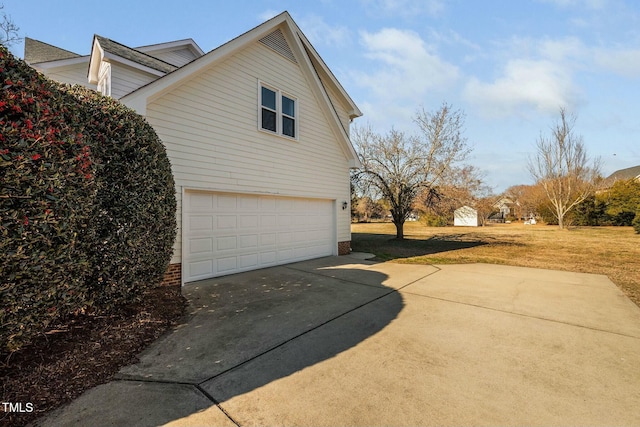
[
  {"x": 257, "y": 132},
  {"x": 623, "y": 175},
  {"x": 465, "y": 216},
  {"x": 505, "y": 207}
]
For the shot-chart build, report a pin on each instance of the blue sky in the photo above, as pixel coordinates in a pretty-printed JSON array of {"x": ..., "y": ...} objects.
[{"x": 509, "y": 65}]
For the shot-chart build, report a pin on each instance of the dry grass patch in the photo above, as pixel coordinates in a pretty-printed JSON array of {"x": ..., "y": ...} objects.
[{"x": 612, "y": 251}]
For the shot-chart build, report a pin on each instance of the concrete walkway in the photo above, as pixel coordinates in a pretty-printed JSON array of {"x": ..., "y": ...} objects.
[{"x": 344, "y": 341}]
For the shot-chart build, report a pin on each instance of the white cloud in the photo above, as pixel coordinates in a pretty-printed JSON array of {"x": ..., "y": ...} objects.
[
  {"x": 580, "y": 4},
  {"x": 625, "y": 62},
  {"x": 542, "y": 85},
  {"x": 404, "y": 8},
  {"x": 561, "y": 50},
  {"x": 321, "y": 33},
  {"x": 405, "y": 68},
  {"x": 536, "y": 75},
  {"x": 267, "y": 14}
]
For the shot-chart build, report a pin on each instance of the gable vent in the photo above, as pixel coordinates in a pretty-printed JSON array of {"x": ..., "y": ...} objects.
[{"x": 278, "y": 43}]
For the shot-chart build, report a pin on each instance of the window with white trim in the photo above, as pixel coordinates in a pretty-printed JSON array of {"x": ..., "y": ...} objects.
[{"x": 278, "y": 112}]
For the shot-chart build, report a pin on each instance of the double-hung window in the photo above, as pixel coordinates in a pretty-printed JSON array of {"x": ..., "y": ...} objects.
[{"x": 278, "y": 112}]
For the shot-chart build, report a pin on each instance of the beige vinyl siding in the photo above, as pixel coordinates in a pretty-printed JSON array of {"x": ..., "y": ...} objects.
[
  {"x": 72, "y": 74},
  {"x": 177, "y": 57},
  {"x": 343, "y": 115},
  {"x": 210, "y": 128},
  {"x": 126, "y": 79}
]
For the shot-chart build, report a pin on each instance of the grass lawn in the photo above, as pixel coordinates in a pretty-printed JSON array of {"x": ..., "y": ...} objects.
[{"x": 612, "y": 251}]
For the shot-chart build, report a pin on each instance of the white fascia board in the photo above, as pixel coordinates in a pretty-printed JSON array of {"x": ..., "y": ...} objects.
[
  {"x": 161, "y": 86},
  {"x": 60, "y": 63},
  {"x": 120, "y": 60},
  {"x": 355, "y": 163},
  {"x": 169, "y": 46},
  {"x": 326, "y": 72},
  {"x": 97, "y": 53},
  {"x": 308, "y": 70}
]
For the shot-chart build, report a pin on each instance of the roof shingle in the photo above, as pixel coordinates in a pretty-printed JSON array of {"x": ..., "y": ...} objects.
[
  {"x": 136, "y": 56},
  {"x": 36, "y": 51}
]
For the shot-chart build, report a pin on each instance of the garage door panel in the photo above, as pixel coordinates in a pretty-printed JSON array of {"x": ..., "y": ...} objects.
[
  {"x": 301, "y": 236},
  {"x": 200, "y": 268},
  {"x": 248, "y": 261},
  {"x": 267, "y": 240},
  {"x": 201, "y": 223},
  {"x": 285, "y": 254},
  {"x": 199, "y": 246},
  {"x": 285, "y": 239},
  {"x": 284, "y": 205},
  {"x": 268, "y": 221},
  {"x": 248, "y": 221},
  {"x": 248, "y": 241},
  {"x": 200, "y": 202},
  {"x": 248, "y": 203},
  {"x": 226, "y": 222},
  {"x": 226, "y": 243},
  {"x": 226, "y": 203},
  {"x": 228, "y": 233},
  {"x": 283, "y": 221},
  {"x": 226, "y": 265},
  {"x": 268, "y": 258}
]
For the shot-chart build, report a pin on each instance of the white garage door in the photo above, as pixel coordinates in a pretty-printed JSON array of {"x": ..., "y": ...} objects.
[{"x": 230, "y": 233}]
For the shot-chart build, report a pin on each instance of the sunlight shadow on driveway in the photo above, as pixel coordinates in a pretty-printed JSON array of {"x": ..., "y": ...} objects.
[
  {"x": 235, "y": 318},
  {"x": 243, "y": 332},
  {"x": 250, "y": 329}
]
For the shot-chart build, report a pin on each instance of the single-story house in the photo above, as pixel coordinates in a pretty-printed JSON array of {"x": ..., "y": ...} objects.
[
  {"x": 465, "y": 216},
  {"x": 257, "y": 132}
]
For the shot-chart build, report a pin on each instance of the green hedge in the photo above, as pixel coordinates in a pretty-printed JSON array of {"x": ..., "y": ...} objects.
[
  {"x": 87, "y": 203},
  {"x": 636, "y": 221},
  {"x": 135, "y": 210}
]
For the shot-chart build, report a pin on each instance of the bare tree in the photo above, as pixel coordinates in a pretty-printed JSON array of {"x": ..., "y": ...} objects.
[
  {"x": 461, "y": 186},
  {"x": 563, "y": 169},
  {"x": 8, "y": 29},
  {"x": 398, "y": 167},
  {"x": 485, "y": 206}
]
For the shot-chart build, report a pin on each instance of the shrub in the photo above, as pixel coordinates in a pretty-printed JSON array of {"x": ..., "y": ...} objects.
[
  {"x": 135, "y": 210},
  {"x": 636, "y": 221},
  {"x": 433, "y": 220},
  {"x": 46, "y": 199},
  {"x": 87, "y": 213}
]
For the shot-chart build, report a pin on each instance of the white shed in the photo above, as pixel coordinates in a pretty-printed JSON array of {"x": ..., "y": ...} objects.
[{"x": 465, "y": 216}]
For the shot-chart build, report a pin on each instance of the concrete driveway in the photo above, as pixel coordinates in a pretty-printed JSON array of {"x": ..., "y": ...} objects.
[{"x": 340, "y": 341}]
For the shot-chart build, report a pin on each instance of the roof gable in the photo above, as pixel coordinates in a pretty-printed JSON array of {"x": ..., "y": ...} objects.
[
  {"x": 104, "y": 48},
  {"x": 188, "y": 44},
  {"x": 36, "y": 51},
  {"x": 278, "y": 43},
  {"x": 177, "y": 52},
  {"x": 283, "y": 36}
]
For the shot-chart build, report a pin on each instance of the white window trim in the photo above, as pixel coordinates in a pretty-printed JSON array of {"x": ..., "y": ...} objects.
[
  {"x": 104, "y": 81},
  {"x": 279, "y": 113}
]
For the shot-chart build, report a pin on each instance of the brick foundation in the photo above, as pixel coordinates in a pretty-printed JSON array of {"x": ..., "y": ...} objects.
[
  {"x": 344, "y": 248},
  {"x": 173, "y": 276}
]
